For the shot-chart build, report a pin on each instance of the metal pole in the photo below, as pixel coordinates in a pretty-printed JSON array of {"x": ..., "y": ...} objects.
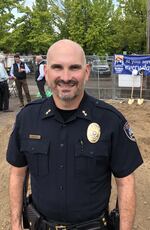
[
  {"x": 148, "y": 26},
  {"x": 98, "y": 85}
]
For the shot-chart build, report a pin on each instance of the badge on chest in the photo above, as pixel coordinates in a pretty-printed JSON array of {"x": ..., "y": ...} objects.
[{"x": 93, "y": 132}]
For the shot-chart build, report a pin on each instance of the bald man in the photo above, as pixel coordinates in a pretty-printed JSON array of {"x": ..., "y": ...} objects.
[
  {"x": 71, "y": 144},
  {"x": 40, "y": 75}
]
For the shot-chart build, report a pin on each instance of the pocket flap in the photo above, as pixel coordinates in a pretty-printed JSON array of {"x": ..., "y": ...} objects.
[
  {"x": 92, "y": 150},
  {"x": 35, "y": 146}
]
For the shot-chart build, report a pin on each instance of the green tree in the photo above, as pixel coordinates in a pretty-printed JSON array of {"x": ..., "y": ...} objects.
[
  {"x": 42, "y": 33},
  {"x": 86, "y": 22},
  {"x": 78, "y": 20},
  {"x": 6, "y": 20},
  {"x": 135, "y": 25},
  {"x": 117, "y": 35},
  {"x": 128, "y": 27},
  {"x": 99, "y": 29},
  {"x": 33, "y": 32},
  {"x": 98, "y": 25}
]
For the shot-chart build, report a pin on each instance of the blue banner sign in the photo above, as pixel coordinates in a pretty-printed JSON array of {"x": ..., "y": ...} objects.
[{"x": 125, "y": 64}]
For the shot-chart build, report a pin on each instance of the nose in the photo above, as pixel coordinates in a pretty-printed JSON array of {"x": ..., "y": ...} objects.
[{"x": 66, "y": 75}]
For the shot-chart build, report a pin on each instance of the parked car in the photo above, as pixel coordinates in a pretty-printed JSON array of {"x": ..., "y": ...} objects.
[
  {"x": 110, "y": 60},
  {"x": 101, "y": 67}
]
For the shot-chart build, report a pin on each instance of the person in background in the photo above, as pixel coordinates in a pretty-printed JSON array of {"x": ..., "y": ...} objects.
[
  {"x": 4, "y": 88},
  {"x": 40, "y": 75},
  {"x": 18, "y": 71},
  {"x": 71, "y": 143}
]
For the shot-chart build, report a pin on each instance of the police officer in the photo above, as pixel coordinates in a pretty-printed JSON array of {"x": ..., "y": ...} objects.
[
  {"x": 40, "y": 75},
  {"x": 72, "y": 144}
]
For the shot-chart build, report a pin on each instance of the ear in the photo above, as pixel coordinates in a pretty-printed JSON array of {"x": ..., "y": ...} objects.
[
  {"x": 45, "y": 71},
  {"x": 87, "y": 70}
]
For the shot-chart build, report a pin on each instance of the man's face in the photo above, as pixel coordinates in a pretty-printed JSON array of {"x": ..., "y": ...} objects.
[
  {"x": 37, "y": 59},
  {"x": 66, "y": 74},
  {"x": 17, "y": 59}
]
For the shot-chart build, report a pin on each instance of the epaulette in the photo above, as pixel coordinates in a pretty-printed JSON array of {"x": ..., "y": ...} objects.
[
  {"x": 106, "y": 106},
  {"x": 37, "y": 101}
]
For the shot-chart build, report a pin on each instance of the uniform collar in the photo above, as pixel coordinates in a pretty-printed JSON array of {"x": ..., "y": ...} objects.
[
  {"x": 84, "y": 110},
  {"x": 48, "y": 109}
]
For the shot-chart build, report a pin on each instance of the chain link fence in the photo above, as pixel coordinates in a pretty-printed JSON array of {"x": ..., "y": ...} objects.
[{"x": 103, "y": 84}]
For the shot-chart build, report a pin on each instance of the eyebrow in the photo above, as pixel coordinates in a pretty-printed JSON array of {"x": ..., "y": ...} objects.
[
  {"x": 75, "y": 66},
  {"x": 71, "y": 67},
  {"x": 55, "y": 66}
]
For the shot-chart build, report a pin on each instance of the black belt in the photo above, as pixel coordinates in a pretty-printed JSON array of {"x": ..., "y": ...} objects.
[{"x": 95, "y": 224}]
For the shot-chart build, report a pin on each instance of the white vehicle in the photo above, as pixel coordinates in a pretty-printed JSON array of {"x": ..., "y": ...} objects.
[{"x": 101, "y": 67}]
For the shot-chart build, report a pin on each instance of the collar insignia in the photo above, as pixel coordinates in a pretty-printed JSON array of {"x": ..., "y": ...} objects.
[
  {"x": 84, "y": 112},
  {"x": 48, "y": 111}
]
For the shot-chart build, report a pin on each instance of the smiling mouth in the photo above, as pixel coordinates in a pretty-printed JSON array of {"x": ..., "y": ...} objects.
[{"x": 69, "y": 83}]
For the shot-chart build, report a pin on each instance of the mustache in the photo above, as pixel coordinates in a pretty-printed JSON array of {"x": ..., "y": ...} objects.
[{"x": 72, "y": 82}]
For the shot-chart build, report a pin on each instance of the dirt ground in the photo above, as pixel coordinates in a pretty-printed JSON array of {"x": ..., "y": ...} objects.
[{"x": 139, "y": 119}]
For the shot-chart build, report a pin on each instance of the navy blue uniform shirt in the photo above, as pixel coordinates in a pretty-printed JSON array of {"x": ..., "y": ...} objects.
[{"x": 71, "y": 162}]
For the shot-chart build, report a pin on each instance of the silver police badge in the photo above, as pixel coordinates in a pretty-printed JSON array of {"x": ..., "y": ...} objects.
[{"x": 93, "y": 132}]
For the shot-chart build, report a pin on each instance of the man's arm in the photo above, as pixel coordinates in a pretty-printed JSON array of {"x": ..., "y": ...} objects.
[
  {"x": 27, "y": 70},
  {"x": 17, "y": 176},
  {"x": 126, "y": 201},
  {"x": 41, "y": 70},
  {"x": 12, "y": 71}
]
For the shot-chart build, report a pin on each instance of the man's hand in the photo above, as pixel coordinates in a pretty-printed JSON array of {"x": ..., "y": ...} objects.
[{"x": 21, "y": 70}]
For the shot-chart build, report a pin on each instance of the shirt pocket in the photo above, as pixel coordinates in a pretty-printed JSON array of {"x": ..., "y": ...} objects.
[
  {"x": 37, "y": 153},
  {"x": 91, "y": 160}
]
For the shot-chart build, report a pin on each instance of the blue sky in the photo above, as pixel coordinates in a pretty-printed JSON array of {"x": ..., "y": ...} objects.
[{"x": 29, "y": 2}]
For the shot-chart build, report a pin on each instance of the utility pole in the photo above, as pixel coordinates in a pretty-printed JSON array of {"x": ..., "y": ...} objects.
[{"x": 148, "y": 26}]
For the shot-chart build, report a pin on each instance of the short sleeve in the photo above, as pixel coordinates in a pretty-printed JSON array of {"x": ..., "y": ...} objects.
[
  {"x": 14, "y": 156},
  {"x": 125, "y": 154}
]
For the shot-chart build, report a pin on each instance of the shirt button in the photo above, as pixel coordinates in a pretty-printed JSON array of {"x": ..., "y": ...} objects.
[
  {"x": 61, "y": 166},
  {"x": 61, "y": 145},
  {"x": 61, "y": 187}
]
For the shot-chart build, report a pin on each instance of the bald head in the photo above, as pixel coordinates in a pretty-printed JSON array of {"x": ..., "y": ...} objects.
[
  {"x": 66, "y": 47},
  {"x": 38, "y": 58}
]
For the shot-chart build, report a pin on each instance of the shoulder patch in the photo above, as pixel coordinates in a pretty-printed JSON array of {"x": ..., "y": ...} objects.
[{"x": 128, "y": 131}]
